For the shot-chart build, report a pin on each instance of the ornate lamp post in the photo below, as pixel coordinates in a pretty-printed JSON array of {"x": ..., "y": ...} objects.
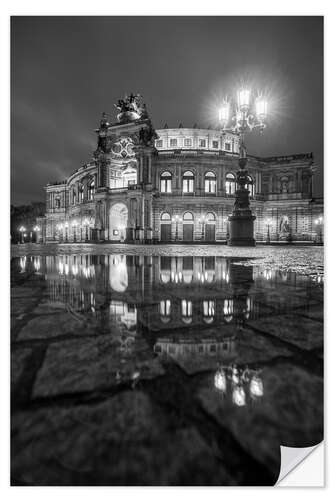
[
  {"x": 242, "y": 120},
  {"x": 319, "y": 223},
  {"x": 36, "y": 230},
  {"x": 176, "y": 219},
  {"x": 268, "y": 223},
  {"x": 22, "y": 230}
]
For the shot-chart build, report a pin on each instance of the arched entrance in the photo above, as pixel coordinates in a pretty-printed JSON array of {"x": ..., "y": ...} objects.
[{"x": 118, "y": 222}]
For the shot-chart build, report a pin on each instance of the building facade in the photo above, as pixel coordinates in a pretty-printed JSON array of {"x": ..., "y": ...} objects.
[{"x": 175, "y": 185}]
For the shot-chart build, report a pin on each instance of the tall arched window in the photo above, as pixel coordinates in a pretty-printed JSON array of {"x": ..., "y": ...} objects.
[
  {"x": 166, "y": 179},
  {"x": 188, "y": 182},
  {"x": 250, "y": 185},
  {"x": 91, "y": 189},
  {"x": 186, "y": 306},
  {"x": 188, "y": 217},
  {"x": 74, "y": 196},
  {"x": 165, "y": 217},
  {"x": 210, "y": 182},
  {"x": 210, "y": 218},
  {"x": 81, "y": 191},
  {"x": 230, "y": 183}
]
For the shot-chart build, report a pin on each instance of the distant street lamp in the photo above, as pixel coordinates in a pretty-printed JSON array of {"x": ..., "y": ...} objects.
[
  {"x": 36, "y": 230},
  {"x": 22, "y": 230},
  {"x": 242, "y": 120},
  {"x": 320, "y": 222},
  {"x": 74, "y": 225},
  {"x": 268, "y": 222},
  {"x": 176, "y": 219},
  {"x": 86, "y": 225},
  {"x": 203, "y": 221}
]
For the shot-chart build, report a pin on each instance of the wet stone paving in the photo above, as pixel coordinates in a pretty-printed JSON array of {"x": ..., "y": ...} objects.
[{"x": 164, "y": 365}]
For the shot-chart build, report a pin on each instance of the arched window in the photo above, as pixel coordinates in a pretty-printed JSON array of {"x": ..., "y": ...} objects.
[
  {"x": 210, "y": 182},
  {"x": 188, "y": 182},
  {"x": 165, "y": 310},
  {"x": 165, "y": 216},
  {"x": 230, "y": 183},
  {"x": 81, "y": 191},
  {"x": 166, "y": 179},
  {"x": 188, "y": 217},
  {"x": 250, "y": 185},
  {"x": 57, "y": 202},
  {"x": 73, "y": 196},
  {"x": 210, "y": 218},
  {"x": 91, "y": 189}
]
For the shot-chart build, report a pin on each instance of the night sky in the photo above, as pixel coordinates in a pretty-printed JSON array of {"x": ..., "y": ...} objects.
[{"x": 66, "y": 70}]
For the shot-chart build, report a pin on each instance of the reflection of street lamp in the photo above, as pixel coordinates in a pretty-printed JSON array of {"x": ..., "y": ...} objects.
[
  {"x": 22, "y": 230},
  {"x": 36, "y": 230},
  {"x": 176, "y": 219},
  {"x": 241, "y": 121},
  {"x": 268, "y": 223},
  {"x": 319, "y": 223}
]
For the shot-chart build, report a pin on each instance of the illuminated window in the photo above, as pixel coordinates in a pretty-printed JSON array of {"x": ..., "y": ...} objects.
[
  {"x": 166, "y": 179},
  {"x": 159, "y": 143},
  {"x": 188, "y": 143},
  {"x": 165, "y": 216},
  {"x": 227, "y": 146},
  {"x": 91, "y": 189},
  {"x": 215, "y": 144},
  {"x": 202, "y": 143},
  {"x": 250, "y": 185},
  {"x": 210, "y": 182},
  {"x": 230, "y": 184},
  {"x": 188, "y": 217},
  {"x": 188, "y": 182},
  {"x": 173, "y": 143}
]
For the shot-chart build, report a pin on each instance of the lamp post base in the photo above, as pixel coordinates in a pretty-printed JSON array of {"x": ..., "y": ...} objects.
[{"x": 241, "y": 230}]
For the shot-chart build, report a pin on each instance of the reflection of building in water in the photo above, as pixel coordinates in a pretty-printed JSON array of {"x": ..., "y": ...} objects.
[
  {"x": 182, "y": 347},
  {"x": 159, "y": 294}
]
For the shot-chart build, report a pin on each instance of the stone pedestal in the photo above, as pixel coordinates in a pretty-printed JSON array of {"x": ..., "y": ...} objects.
[{"x": 241, "y": 230}]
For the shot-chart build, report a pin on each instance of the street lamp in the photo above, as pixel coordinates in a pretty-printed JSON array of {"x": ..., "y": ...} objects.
[
  {"x": 36, "y": 230},
  {"x": 66, "y": 231},
  {"x": 22, "y": 230},
  {"x": 239, "y": 118},
  {"x": 74, "y": 224},
  {"x": 176, "y": 219},
  {"x": 319, "y": 223},
  {"x": 268, "y": 222},
  {"x": 86, "y": 225},
  {"x": 203, "y": 221}
]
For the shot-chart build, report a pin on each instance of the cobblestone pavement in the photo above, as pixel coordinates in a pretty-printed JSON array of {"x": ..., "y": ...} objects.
[{"x": 163, "y": 365}]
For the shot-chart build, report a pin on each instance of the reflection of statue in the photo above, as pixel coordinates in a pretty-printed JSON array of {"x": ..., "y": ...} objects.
[{"x": 284, "y": 224}]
